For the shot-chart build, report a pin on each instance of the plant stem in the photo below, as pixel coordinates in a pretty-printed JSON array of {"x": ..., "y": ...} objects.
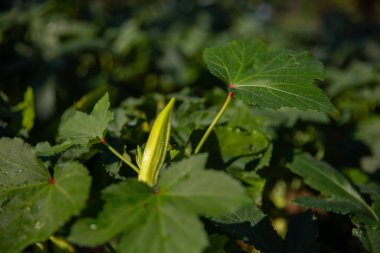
[
  {"x": 120, "y": 156},
  {"x": 213, "y": 123},
  {"x": 110, "y": 248}
]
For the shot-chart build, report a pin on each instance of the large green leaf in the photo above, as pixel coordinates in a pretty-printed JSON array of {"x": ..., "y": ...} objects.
[
  {"x": 268, "y": 78},
  {"x": 82, "y": 128},
  {"x": 340, "y": 196},
  {"x": 164, "y": 219},
  {"x": 33, "y": 205}
]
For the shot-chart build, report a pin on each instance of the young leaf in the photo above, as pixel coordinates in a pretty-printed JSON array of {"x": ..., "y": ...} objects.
[
  {"x": 268, "y": 78},
  {"x": 156, "y": 147},
  {"x": 341, "y": 196},
  {"x": 81, "y": 128},
  {"x": 163, "y": 220},
  {"x": 34, "y": 205}
]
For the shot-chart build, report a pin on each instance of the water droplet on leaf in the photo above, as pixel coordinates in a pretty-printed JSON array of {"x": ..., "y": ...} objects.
[
  {"x": 39, "y": 225},
  {"x": 93, "y": 226}
]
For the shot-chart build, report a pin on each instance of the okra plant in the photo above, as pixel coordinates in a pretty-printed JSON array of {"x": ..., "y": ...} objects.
[{"x": 177, "y": 191}]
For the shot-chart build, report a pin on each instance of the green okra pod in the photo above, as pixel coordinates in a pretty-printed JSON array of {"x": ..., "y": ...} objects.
[{"x": 156, "y": 147}]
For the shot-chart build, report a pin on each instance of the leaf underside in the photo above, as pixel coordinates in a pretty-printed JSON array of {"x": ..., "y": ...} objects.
[{"x": 268, "y": 78}]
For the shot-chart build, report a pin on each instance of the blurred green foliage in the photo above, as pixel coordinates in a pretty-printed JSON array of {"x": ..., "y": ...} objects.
[{"x": 70, "y": 52}]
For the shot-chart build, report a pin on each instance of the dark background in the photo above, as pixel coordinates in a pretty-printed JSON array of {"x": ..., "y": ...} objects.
[{"x": 65, "y": 49}]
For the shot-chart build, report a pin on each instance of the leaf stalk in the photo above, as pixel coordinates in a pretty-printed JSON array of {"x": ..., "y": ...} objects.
[
  {"x": 213, "y": 123},
  {"x": 120, "y": 156}
]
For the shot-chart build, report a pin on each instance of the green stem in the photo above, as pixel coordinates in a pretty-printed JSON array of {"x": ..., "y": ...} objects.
[
  {"x": 116, "y": 153},
  {"x": 110, "y": 248},
  {"x": 213, "y": 123}
]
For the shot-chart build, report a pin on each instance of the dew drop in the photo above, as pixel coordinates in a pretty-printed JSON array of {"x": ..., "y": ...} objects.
[
  {"x": 39, "y": 225},
  {"x": 93, "y": 226}
]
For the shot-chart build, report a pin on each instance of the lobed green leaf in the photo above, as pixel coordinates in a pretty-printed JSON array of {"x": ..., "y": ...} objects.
[
  {"x": 162, "y": 220},
  {"x": 33, "y": 205},
  {"x": 81, "y": 128},
  {"x": 268, "y": 78}
]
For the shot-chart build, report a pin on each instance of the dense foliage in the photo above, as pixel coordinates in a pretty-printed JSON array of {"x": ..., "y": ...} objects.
[{"x": 115, "y": 138}]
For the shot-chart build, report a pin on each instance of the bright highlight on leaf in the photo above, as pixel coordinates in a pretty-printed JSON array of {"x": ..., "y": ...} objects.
[
  {"x": 33, "y": 205},
  {"x": 82, "y": 128},
  {"x": 155, "y": 150},
  {"x": 268, "y": 78},
  {"x": 164, "y": 220}
]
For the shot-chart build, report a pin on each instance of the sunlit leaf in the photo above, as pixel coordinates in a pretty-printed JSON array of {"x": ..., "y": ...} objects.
[{"x": 268, "y": 78}]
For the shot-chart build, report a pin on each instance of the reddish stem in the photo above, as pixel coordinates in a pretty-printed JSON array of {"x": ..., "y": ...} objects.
[
  {"x": 51, "y": 181},
  {"x": 230, "y": 93}
]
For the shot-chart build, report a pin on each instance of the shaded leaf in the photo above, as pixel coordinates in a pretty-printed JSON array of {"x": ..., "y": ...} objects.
[
  {"x": 341, "y": 196},
  {"x": 45, "y": 149},
  {"x": 268, "y": 78},
  {"x": 234, "y": 143},
  {"x": 338, "y": 206},
  {"x": 217, "y": 244},
  {"x": 32, "y": 204},
  {"x": 190, "y": 115},
  {"x": 249, "y": 212},
  {"x": 261, "y": 235}
]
